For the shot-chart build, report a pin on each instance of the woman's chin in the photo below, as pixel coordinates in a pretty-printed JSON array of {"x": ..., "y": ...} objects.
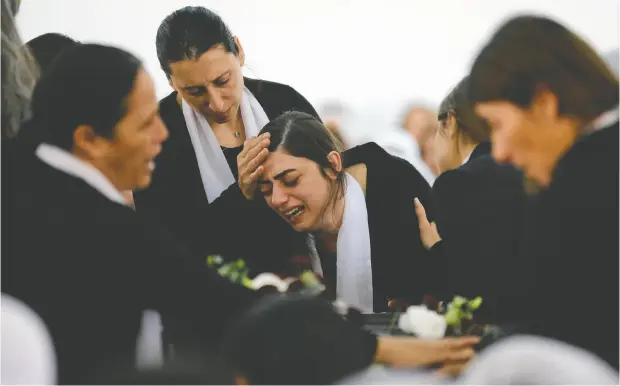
[{"x": 300, "y": 227}]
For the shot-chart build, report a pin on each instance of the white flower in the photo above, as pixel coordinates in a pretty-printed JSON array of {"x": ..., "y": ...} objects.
[
  {"x": 341, "y": 307},
  {"x": 422, "y": 322},
  {"x": 265, "y": 279}
]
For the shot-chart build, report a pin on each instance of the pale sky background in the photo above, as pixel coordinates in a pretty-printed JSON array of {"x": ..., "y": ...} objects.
[{"x": 373, "y": 55}]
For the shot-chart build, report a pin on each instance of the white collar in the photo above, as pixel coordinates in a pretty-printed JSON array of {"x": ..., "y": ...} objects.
[
  {"x": 467, "y": 158},
  {"x": 353, "y": 257},
  {"x": 602, "y": 121},
  {"x": 68, "y": 163}
]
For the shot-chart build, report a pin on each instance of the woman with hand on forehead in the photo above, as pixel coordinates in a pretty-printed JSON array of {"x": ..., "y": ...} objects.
[
  {"x": 206, "y": 172},
  {"x": 356, "y": 209}
]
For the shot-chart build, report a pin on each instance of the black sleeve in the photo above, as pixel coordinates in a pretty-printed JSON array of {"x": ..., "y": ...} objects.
[
  {"x": 452, "y": 197},
  {"x": 395, "y": 185},
  {"x": 210, "y": 227},
  {"x": 370, "y": 343},
  {"x": 195, "y": 302}
]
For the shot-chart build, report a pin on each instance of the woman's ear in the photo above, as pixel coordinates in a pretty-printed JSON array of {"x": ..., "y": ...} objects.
[
  {"x": 240, "y": 52},
  {"x": 88, "y": 143},
  {"x": 335, "y": 160},
  {"x": 451, "y": 128}
]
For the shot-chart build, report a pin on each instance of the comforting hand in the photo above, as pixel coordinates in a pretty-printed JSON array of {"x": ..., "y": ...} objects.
[
  {"x": 249, "y": 163},
  {"x": 428, "y": 231},
  {"x": 414, "y": 352}
]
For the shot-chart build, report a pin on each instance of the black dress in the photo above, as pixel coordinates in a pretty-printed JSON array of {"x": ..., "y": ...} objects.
[
  {"x": 574, "y": 243},
  {"x": 89, "y": 267},
  {"x": 481, "y": 209},
  {"x": 230, "y": 225},
  {"x": 399, "y": 264}
]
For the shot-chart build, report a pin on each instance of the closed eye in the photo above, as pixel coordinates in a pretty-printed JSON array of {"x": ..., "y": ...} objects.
[
  {"x": 291, "y": 183},
  {"x": 195, "y": 91},
  {"x": 221, "y": 82}
]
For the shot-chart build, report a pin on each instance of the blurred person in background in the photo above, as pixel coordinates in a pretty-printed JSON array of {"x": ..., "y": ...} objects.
[
  {"x": 479, "y": 211},
  {"x": 613, "y": 60},
  {"x": 414, "y": 141},
  {"x": 421, "y": 122},
  {"x": 109, "y": 262},
  {"x": 28, "y": 355},
  {"x": 333, "y": 114},
  {"x": 552, "y": 105},
  {"x": 533, "y": 360},
  {"x": 19, "y": 73},
  {"x": 300, "y": 340},
  {"x": 45, "y": 48}
]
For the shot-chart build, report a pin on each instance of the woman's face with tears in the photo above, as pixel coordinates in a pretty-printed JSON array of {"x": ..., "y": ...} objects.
[
  {"x": 297, "y": 189},
  {"x": 212, "y": 83}
]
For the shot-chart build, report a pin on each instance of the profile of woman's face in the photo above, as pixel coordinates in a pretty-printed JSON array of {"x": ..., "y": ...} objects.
[
  {"x": 128, "y": 159},
  {"x": 531, "y": 139},
  {"x": 297, "y": 189},
  {"x": 212, "y": 84}
]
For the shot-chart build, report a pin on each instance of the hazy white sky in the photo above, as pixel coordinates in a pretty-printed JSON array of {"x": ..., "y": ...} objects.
[{"x": 365, "y": 52}]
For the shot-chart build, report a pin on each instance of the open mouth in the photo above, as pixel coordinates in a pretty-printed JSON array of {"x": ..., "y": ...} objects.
[{"x": 294, "y": 213}]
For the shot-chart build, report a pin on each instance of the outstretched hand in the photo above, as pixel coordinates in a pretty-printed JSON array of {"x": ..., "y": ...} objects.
[
  {"x": 249, "y": 163},
  {"x": 428, "y": 231},
  {"x": 414, "y": 352}
]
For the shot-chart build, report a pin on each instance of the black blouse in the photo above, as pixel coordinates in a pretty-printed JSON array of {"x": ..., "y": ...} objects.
[
  {"x": 231, "y": 153},
  {"x": 481, "y": 210},
  {"x": 574, "y": 244},
  {"x": 230, "y": 225},
  {"x": 399, "y": 261}
]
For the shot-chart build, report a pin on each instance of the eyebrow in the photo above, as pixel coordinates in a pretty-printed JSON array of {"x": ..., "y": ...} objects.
[
  {"x": 278, "y": 176},
  {"x": 218, "y": 78}
]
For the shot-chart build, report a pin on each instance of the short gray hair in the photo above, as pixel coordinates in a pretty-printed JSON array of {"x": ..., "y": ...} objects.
[{"x": 19, "y": 73}]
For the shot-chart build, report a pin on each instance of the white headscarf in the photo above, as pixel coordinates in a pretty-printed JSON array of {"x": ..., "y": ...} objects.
[{"x": 214, "y": 170}]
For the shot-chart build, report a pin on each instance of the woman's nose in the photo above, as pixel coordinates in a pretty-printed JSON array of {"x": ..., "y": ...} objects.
[{"x": 278, "y": 197}]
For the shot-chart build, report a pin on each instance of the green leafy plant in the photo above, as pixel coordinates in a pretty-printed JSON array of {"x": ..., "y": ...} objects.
[
  {"x": 236, "y": 271},
  {"x": 460, "y": 313}
]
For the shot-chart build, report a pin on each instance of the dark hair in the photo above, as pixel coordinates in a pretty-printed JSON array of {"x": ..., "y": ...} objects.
[
  {"x": 87, "y": 85},
  {"x": 468, "y": 123},
  {"x": 188, "y": 33},
  {"x": 294, "y": 340},
  {"x": 302, "y": 135},
  {"x": 45, "y": 48},
  {"x": 532, "y": 52}
]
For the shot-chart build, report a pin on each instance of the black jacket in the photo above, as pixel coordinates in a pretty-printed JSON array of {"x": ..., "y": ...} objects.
[{"x": 230, "y": 225}]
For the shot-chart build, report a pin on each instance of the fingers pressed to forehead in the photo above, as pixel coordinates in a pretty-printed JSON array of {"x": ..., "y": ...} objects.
[
  {"x": 253, "y": 151},
  {"x": 257, "y": 160}
]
